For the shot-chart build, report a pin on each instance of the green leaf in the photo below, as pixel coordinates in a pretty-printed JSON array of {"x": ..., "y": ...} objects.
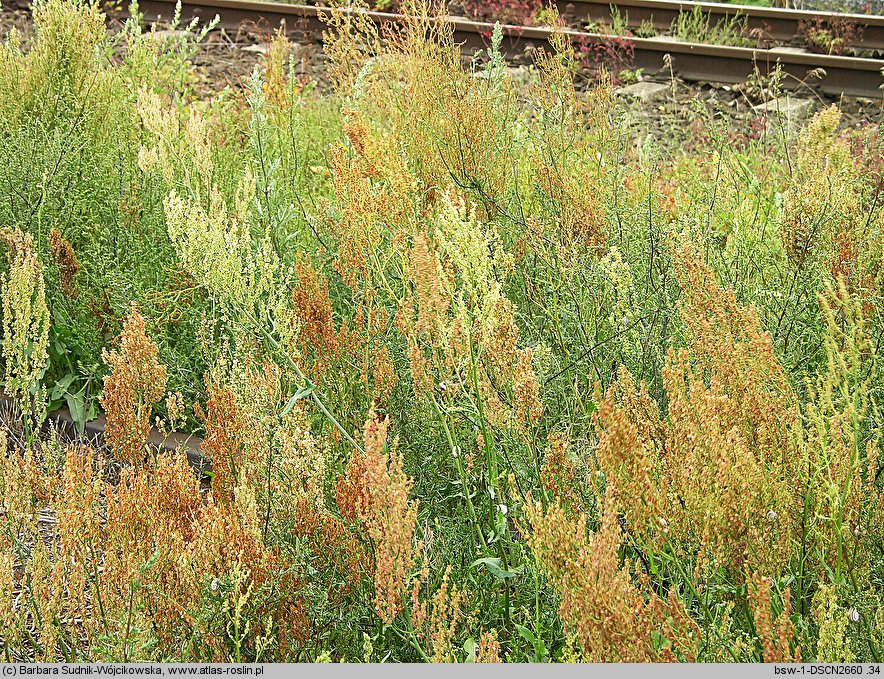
[
  {"x": 540, "y": 651},
  {"x": 300, "y": 394},
  {"x": 77, "y": 406},
  {"x": 61, "y": 386},
  {"x": 493, "y": 566},
  {"x": 469, "y": 647}
]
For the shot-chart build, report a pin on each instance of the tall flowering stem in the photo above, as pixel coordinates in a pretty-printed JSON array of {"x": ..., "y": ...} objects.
[
  {"x": 136, "y": 382},
  {"x": 378, "y": 488},
  {"x": 776, "y": 633},
  {"x": 25, "y": 327}
]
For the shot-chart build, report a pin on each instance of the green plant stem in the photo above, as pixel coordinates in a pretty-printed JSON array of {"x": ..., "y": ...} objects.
[
  {"x": 411, "y": 638},
  {"x": 462, "y": 471},
  {"x": 313, "y": 395},
  {"x": 486, "y": 438}
]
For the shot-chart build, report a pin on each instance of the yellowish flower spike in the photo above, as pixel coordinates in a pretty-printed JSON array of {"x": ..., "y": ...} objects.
[{"x": 25, "y": 326}]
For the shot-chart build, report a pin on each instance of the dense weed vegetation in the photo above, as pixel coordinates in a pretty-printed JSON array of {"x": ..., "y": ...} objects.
[{"x": 479, "y": 379}]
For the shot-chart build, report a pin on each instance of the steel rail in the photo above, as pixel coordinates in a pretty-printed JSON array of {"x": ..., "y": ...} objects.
[
  {"x": 835, "y": 75},
  {"x": 771, "y": 22}
]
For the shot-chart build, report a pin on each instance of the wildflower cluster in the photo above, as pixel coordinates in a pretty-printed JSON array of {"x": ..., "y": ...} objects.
[
  {"x": 378, "y": 490},
  {"x": 137, "y": 381},
  {"x": 25, "y": 326},
  {"x": 715, "y": 473},
  {"x": 470, "y": 373},
  {"x": 612, "y": 617}
]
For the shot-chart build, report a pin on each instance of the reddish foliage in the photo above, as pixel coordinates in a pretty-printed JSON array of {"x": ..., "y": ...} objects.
[
  {"x": 611, "y": 53},
  {"x": 829, "y": 36},
  {"x": 517, "y": 12}
]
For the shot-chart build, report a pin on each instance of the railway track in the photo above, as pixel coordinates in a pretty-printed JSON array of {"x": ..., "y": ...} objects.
[
  {"x": 780, "y": 25},
  {"x": 834, "y": 75}
]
